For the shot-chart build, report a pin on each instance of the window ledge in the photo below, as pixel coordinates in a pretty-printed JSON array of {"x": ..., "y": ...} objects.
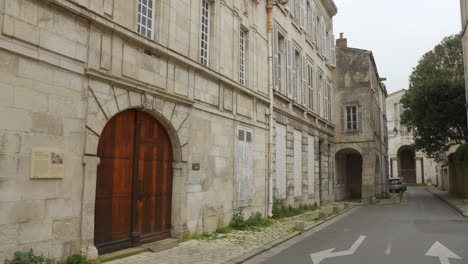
[
  {"x": 296, "y": 25},
  {"x": 310, "y": 41},
  {"x": 282, "y": 96}
]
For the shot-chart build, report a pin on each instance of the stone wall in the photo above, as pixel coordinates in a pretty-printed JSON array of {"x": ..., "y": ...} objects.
[{"x": 67, "y": 67}]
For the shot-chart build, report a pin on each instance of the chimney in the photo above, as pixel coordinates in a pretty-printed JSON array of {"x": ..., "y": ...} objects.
[{"x": 342, "y": 42}]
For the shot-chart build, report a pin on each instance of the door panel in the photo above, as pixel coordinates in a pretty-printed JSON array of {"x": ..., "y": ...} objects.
[
  {"x": 133, "y": 148},
  {"x": 408, "y": 165},
  {"x": 154, "y": 178},
  {"x": 114, "y": 182}
]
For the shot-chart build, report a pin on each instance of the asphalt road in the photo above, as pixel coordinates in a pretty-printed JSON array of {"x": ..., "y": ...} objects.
[{"x": 385, "y": 234}]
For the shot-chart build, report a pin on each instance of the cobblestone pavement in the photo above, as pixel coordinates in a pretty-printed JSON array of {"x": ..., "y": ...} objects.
[
  {"x": 235, "y": 244},
  {"x": 461, "y": 205}
]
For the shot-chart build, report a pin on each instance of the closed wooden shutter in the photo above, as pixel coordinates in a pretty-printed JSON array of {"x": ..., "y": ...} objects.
[
  {"x": 305, "y": 89},
  {"x": 276, "y": 68},
  {"x": 244, "y": 165},
  {"x": 297, "y": 163},
  {"x": 303, "y": 4},
  {"x": 280, "y": 164},
  {"x": 314, "y": 22},
  {"x": 290, "y": 80},
  {"x": 311, "y": 164},
  {"x": 333, "y": 50}
]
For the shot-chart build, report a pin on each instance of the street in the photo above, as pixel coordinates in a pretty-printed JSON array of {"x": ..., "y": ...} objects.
[{"x": 423, "y": 231}]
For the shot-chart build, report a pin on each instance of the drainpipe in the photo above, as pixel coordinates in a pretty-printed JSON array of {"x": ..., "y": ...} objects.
[{"x": 269, "y": 180}]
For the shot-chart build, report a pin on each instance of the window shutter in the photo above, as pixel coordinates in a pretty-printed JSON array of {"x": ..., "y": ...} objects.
[
  {"x": 291, "y": 7},
  {"x": 344, "y": 114},
  {"x": 333, "y": 50},
  {"x": 289, "y": 68},
  {"x": 359, "y": 118},
  {"x": 305, "y": 89},
  {"x": 314, "y": 22},
  {"x": 324, "y": 35},
  {"x": 303, "y": 13},
  {"x": 297, "y": 10},
  {"x": 319, "y": 95},
  {"x": 292, "y": 85},
  {"x": 276, "y": 75},
  {"x": 329, "y": 88}
]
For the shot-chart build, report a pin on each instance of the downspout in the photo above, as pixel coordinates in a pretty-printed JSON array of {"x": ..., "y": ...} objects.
[{"x": 269, "y": 180}]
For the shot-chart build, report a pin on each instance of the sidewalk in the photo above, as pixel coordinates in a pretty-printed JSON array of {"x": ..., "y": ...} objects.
[
  {"x": 239, "y": 245},
  {"x": 461, "y": 205}
]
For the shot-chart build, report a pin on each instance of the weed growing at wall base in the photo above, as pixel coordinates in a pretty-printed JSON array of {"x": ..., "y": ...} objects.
[
  {"x": 280, "y": 210},
  {"x": 29, "y": 257}
]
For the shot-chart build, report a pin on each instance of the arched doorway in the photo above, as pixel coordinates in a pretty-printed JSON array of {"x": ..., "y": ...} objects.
[
  {"x": 349, "y": 171},
  {"x": 407, "y": 164},
  {"x": 134, "y": 182}
]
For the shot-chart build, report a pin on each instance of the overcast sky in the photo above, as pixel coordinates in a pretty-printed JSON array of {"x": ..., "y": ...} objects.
[{"x": 398, "y": 32}]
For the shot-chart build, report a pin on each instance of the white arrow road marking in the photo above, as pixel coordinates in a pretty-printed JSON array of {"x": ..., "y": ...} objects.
[
  {"x": 442, "y": 252},
  {"x": 320, "y": 256}
]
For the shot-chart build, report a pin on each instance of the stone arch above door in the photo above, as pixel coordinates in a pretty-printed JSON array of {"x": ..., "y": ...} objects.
[{"x": 105, "y": 101}]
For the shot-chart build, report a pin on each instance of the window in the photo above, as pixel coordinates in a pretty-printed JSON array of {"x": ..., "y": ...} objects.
[
  {"x": 242, "y": 51},
  {"x": 318, "y": 33},
  {"x": 328, "y": 104},
  {"x": 310, "y": 85},
  {"x": 297, "y": 76},
  {"x": 310, "y": 20},
  {"x": 320, "y": 105},
  {"x": 351, "y": 118},
  {"x": 205, "y": 33},
  {"x": 279, "y": 61},
  {"x": 146, "y": 18}
]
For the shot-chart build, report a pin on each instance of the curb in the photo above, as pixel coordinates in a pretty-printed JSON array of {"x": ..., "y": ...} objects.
[
  {"x": 255, "y": 252},
  {"x": 461, "y": 212}
]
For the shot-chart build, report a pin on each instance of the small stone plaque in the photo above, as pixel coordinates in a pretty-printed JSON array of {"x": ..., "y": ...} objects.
[
  {"x": 195, "y": 178},
  {"x": 46, "y": 163}
]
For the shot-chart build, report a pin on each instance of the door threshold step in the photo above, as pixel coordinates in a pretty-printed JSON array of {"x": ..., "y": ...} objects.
[
  {"x": 161, "y": 245},
  {"x": 122, "y": 254}
]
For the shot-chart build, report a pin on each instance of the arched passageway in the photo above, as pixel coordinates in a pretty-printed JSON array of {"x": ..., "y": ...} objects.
[
  {"x": 349, "y": 171},
  {"x": 134, "y": 182},
  {"x": 407, "y": 164}
]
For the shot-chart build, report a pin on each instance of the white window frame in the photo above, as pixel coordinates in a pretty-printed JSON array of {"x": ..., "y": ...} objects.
[
  {"x": 297, "y": 71},
  {"x": 280, "y": 59},
  {"x": 349, "y": 119},
  {"x": 242, "y": 56},
  {"x": 148, "y": 27},
  {"x": 310, "y": 85},
  {"x": 205, "y": 32}
]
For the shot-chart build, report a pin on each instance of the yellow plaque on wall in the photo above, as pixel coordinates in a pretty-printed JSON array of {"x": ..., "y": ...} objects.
[{"x": 46, "y": 163}]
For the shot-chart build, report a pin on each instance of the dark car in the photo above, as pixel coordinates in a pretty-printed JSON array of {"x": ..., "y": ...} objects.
[{"x": 396, "y": 185}]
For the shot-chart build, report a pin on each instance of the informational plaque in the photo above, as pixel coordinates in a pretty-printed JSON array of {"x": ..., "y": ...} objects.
[{"x": 46, "y": 163}]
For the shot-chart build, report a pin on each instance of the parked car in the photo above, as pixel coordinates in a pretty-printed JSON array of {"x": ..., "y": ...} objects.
[{"x": 396, "y": 185}]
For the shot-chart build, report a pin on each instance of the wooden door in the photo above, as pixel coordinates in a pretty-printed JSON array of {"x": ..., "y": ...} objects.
[
  {"x": 154, "y": 179},
  {"x": 408, "y": 165},
  {"x": 134, "y": 182}
]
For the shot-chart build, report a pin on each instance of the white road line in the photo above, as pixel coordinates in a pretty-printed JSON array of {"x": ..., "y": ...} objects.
[{"x": 388, "y": 251}]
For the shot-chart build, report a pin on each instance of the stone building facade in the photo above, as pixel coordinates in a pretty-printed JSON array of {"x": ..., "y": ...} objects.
[
  {"x": 464, "y": 35},
  {"x": 361, "y": 132},
  {"x": 129, "y": 121},
  {"x": 303, "y": 64},
  {"x": 404, "y": 160}
]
